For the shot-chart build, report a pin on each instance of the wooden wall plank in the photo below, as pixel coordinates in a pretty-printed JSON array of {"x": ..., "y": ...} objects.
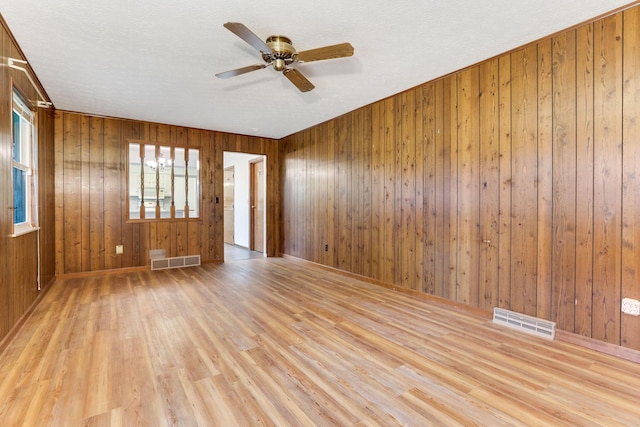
[
  {"x": 607, "y": 178},
  {"x": 321, "y": 213},
  {"x": 343, "y": 187},
  {"x": 296, "y": 200},
  {"x": 430, "y": 184},
  {"x": 377, "y": 190},
  {"x": 164, "y": 237},
  {"x": 450, "y": 247},
  {"x": 301, "y": 193},
  {"x": 564, "y": 182},
  {"x": 407, "y": 174},
  {"x": 524, "y": 158},
  {"x": 545, "y": 179},
  {"x": 489, "y": 215},
  {"x": 331, "y": 194},
  {"x": 584, "y": 180},
  {"x": 274, "y": 241},
  {"x": 207, "y": 196},
  {"x": 136, "y": 248},
  {"x": 47, "y": 194},
  {"x": 468, "y": 209},
  {"x": 506, "y": 179},
  {"x": 113, "y": 192},
  {"x": 85, "y": 193},
  {"x": 95, "y": 223},
  {"x": 356, "y": 185},
  {"x": 306, "y": 249},
  {"x": 389, "y": 266},
  {"x": 287, "y": 203},
  {"x": 366, "y": 192},
  {"x": 314, "y": 196},
  {"x": 399, "y": 255},
  {"x": 630, "y": 325},
  {"x": 59, "y": 135},
  {"x": 418, "y": 230},
  {"x": 72, "y": 198},
  {"x": 440, "y": 233}
]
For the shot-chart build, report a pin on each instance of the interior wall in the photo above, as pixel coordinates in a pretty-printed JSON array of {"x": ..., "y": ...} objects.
[
  {"x": 242, "y": 202},
  {"x": 19, "y": 255},
  {"x": 512, "y": 183},
  {"x": 90, "y": 183}
]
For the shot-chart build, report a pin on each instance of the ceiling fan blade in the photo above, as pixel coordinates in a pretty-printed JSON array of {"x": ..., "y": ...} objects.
[
  {"x": 298, "y": 79},
  {"x": 245, "y": 34},
  {"x": 238, "y": 71},
  {"x": 328, "y": 52}
]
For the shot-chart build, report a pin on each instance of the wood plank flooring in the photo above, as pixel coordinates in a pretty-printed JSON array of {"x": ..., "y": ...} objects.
[
  {"x": 236, "y": 253},
  {"x": 279, "y": 342}
]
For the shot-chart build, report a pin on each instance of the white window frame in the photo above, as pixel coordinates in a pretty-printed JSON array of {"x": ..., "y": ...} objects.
[{"x": 27, "y": 163}]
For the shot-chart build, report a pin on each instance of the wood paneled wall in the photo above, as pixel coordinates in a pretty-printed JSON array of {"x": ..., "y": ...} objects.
[
  {"x": 513, "y": 183},
  {"x": 19, "y": 255},
  {"x": 91, "y": 191}
]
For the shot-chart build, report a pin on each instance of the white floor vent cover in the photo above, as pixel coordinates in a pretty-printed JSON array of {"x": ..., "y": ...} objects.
[
  {"x": 175, "y": 262},
  {"x": 524, "y": 323}
]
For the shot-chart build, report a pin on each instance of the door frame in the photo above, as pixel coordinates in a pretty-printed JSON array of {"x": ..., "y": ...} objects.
[
  {"x": 253, "y": 195},
  {"x": 224, "y": 206}
]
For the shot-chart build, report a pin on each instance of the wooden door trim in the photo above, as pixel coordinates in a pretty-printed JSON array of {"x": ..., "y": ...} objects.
[
  {"x": 224, "y": 206},
  {"x": 252, "y": 202}
]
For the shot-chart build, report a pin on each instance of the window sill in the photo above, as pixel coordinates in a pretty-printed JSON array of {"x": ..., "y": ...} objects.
[{"x": 25, "y": 230}]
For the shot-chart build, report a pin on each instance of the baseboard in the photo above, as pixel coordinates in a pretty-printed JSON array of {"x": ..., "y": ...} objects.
[
  {"x": 600, "y": 346},
  {"x": 82, "y": 274}
]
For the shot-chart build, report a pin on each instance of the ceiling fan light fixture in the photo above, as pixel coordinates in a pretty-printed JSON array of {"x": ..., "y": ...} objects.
[{"x": 279, "y": 64}]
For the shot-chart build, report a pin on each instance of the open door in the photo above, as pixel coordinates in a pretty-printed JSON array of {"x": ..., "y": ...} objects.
[
  {"x": 229, "y": 202},
  {"x": 257, "y": 197}
]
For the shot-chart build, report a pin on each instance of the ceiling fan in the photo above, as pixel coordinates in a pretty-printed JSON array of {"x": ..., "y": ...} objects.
[{"x": 278, "y": 52}]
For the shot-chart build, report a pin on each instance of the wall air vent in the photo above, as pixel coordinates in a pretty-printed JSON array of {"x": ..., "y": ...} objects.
[
  {"x": 522, "y": 322},
  {"x": 175, "y": 262}
]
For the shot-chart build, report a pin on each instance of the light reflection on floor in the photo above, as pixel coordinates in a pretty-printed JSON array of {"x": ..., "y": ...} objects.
[{"x": 235, "y": 253}]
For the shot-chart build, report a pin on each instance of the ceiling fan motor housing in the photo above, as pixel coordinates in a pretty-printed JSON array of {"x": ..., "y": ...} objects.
[{"x": 283, "y": 52}]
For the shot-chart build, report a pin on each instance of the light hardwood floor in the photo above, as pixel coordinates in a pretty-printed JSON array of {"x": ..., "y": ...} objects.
[{"x": 281, "y": 342}]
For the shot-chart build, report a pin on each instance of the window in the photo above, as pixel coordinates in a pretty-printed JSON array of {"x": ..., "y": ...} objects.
[
  {"x": 164, "y": 181},
  {"x": 24, "y": 153}
]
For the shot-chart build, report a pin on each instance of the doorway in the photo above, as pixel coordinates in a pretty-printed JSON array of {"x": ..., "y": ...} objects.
[{"x": 247, "y": 219}]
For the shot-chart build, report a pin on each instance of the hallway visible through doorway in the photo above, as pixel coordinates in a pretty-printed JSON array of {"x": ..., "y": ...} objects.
[{"x": 245, "y": 201}]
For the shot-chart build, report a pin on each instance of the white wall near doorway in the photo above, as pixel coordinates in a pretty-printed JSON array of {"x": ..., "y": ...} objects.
[{"x": 242, "y": 208}]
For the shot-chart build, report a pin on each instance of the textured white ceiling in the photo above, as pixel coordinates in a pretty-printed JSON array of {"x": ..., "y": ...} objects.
[{"x": 155, "y": 60}]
